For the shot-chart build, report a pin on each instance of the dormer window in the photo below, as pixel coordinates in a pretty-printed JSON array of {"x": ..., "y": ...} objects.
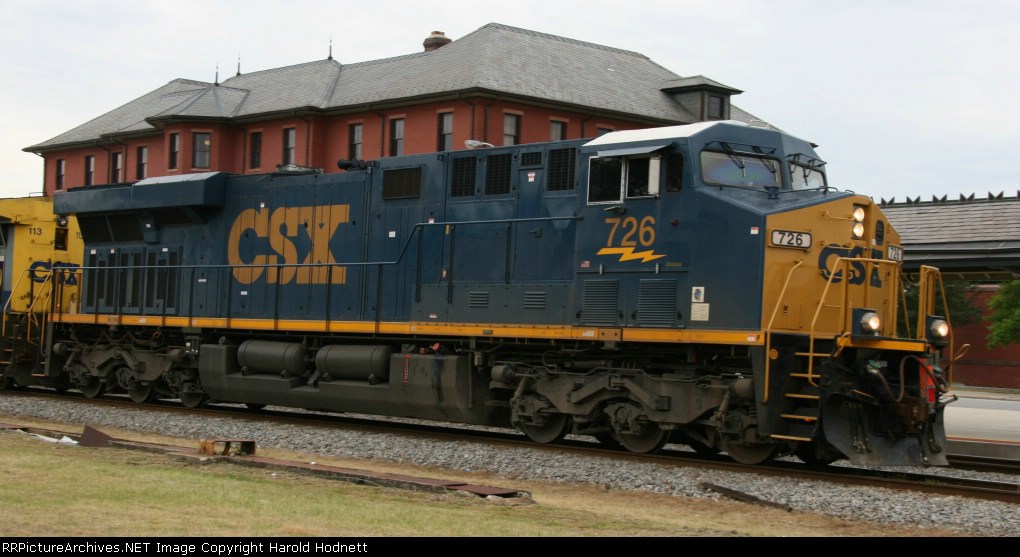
[
  {"x": 716, "y": 108},
  {"x": 703, "y": 98}
]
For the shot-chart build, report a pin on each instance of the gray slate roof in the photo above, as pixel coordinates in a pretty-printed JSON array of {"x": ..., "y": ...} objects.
[
  {"x": 971, "y": 234},
  {"x": 496, "y": 58}
]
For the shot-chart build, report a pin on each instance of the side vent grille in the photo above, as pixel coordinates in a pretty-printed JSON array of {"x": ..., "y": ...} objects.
[
  {"x": 497, "y": 174},
  {"x": 534, "y": 300},
  {"x": 531, "y": 159},
  {"x": 657, "y": 302},
  {"x": 601, "y": 302},
  {"x": 561, "y": 169},
  {"x": 401, "y": 183},
  {"x": 478, "y": 300},
  {"x": 463, "y": 182}
]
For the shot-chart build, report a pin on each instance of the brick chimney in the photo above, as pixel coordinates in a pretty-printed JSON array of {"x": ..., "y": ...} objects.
[{"x": 436, "y": 40}]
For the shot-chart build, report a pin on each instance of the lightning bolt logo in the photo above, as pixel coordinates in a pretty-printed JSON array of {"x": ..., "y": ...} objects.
[{"x": 627, "y": 254}]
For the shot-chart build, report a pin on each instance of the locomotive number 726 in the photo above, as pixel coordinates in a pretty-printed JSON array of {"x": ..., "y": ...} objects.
[{"x": 630, "y": 228}]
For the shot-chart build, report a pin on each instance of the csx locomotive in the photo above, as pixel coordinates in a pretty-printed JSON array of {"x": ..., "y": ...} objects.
[{"x": 702, "y": 284}]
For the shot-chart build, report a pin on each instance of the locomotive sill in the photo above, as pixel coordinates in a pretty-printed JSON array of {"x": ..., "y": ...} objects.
[{"x": 870, "y": 341}]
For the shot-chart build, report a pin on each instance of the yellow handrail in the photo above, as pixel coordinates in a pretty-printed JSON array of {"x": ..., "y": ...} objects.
[
  {"x": 841, "y": 268},
  {"x": 768, "y": 328}
]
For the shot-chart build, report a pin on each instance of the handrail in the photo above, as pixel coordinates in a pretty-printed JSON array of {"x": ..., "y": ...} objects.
[
  {"x": 930, "y": 277},
  {"x": 10, "y": 301},
  {"x": 768, "y": 328},
  {"x": 842, "y": 266},
  {"x": 840, "y": 270}
]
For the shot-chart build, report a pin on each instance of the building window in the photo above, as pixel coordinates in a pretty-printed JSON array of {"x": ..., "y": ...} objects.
[
  {"x": 116, "y": 160},
  {"x": 354, "y": 145},
  {"x": 511, "y": 129},
  {"x": 557, "y": 131},
  {"x": 289, "y": 138},
  {"x": 175, "y": 150},
  {"x": 602, "y": 131},
  {"x": 202, "y": 147},
  {"x": 396, "y": 137},
  {"x": 142, "y": 163},
  {"x": 445, "y": 142},
  {"x": 255, "y": 150},
  {"x": 61, "y": 170},
  {"x": 90, "y": 170},
  {"x": 716, "y": 107}
]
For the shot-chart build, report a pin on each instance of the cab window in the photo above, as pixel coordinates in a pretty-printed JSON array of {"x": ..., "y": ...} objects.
[
  {"x": 805, "y": 178},
  {"x": 737, "y": 169},
  {"x": 611, "y": 179}
]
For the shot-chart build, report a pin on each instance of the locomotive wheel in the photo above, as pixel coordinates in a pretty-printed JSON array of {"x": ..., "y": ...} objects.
[
  {"x": 93, "y": 388},
  {"x": 649, "y": 440},
  {"x": 750, "y": 453},
  {"x": 807, "y": 454},
  {"x": 555, "y": 428},
  {"x": 607, "y": 438},
  {"x": 193, "y": 399},
  {"x": 141, "y": 393}
]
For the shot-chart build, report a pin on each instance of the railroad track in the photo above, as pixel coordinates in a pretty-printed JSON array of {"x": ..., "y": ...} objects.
[{"x": 673, "y": 455}]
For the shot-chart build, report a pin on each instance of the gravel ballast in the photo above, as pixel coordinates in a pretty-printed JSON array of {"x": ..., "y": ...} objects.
[{"x": 882, "y": 506}]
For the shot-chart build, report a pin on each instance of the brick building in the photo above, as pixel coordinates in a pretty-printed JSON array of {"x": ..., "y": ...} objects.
[{"x": 499, "y": 84}]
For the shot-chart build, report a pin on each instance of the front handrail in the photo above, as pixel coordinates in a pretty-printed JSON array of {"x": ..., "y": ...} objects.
[
  {"x": 930, "y": 278},
  {"x": 768, "y": 328},
  {"x": 840, "y": 273}
]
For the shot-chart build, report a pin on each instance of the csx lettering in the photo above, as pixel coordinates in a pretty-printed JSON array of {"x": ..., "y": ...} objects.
[
  {"x": 285, "y": 233},
  {"x": 857, "y": 269},
  {"x": 63, "y": 272}
]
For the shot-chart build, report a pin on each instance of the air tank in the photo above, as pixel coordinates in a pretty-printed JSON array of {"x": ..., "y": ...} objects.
[
  {"x": 367, "y": 363},
  {"x": 263, "y": 356}
]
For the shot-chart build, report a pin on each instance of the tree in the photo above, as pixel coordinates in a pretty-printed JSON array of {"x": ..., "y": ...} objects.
[{"x": 1005, "y": 319}]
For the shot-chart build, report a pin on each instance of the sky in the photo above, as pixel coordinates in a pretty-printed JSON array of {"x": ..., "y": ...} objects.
[{"x": 905, "y": 98}]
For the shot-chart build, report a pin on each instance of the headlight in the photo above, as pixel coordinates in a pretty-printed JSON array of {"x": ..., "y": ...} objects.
[
  {"x": 867, "y": 322},
  {"x": 871, "y": 322},
  {"x": 859, "y": 214},
  {"x": 938, "y": 330}
]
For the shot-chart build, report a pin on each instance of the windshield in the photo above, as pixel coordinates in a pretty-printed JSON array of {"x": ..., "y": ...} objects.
[
  {"x": 806, "y": 178},
  {"x": 736, "y": 169}
]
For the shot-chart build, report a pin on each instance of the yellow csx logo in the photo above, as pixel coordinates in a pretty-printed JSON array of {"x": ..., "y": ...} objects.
[
  {"x": 632, "y": 233},
  {"x": 260, "y": 239}
]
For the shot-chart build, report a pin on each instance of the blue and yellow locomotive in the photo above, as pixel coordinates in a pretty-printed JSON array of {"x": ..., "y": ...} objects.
[{"x": 702, "y": 284}]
